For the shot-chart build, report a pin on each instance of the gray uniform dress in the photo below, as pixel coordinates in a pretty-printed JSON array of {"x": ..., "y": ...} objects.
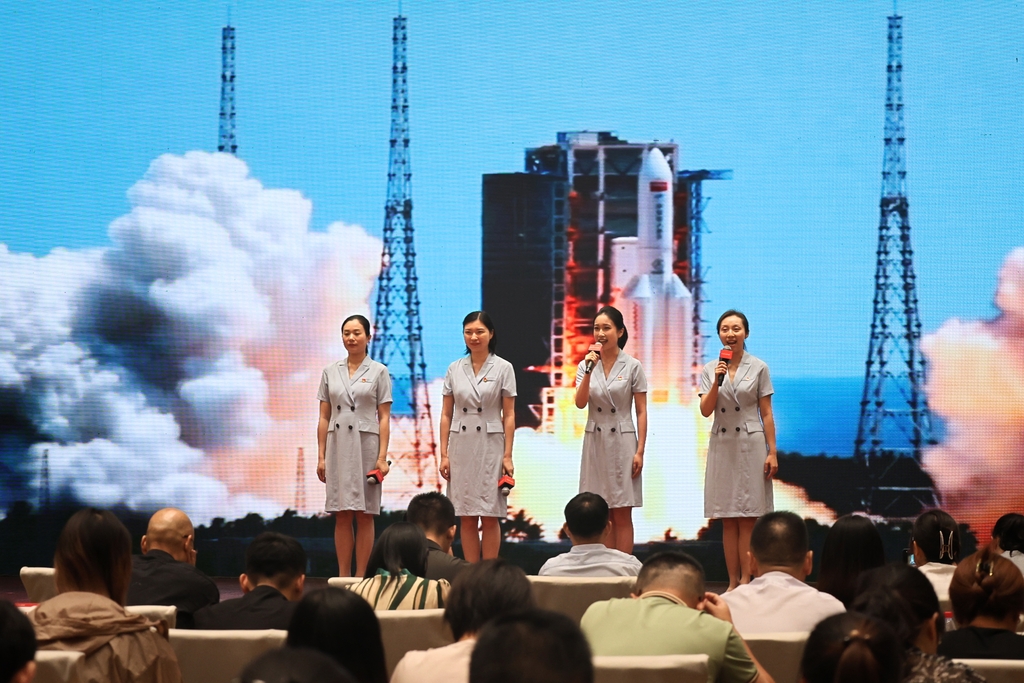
[
  {"x": 353, "y": 438},
  {"x": 609, "y": 442},
  {"x": 734, "y": 482},
  {"x": 476, "y": 442}
]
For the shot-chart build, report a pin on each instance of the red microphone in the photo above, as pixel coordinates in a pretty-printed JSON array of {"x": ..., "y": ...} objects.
[
  {"x": 596, "y": 348},
  {"x": 726, "y": 355},
  {"x": 505, "y": 484},
  {"x": 375, "y": 476}
]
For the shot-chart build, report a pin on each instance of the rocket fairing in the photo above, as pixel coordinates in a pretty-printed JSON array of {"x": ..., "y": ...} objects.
[{"x": 655, "y": 303}]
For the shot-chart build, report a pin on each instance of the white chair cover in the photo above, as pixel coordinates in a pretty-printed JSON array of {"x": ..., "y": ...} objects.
[
  {"x": 403, "y": 630},
  {"x": 39, "y": 583},
  {"x": 997, "y": 670},
  {"x": 572, "y": 596},
  {"x": 168, "y": 613},
  {"x": 59, "y": 666},
  {"x": 779, "y": 654},
  {"x": 219, "y": 656},
  {"x": 651, "y": 669},
  {"x": 343, "y": 581}
]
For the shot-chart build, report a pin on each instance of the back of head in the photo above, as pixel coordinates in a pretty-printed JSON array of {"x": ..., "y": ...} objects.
[
  {"x": 535, "y": 646},
  {"x": 1009, "y": 530},
  {"x": 167, "y": 530},
  {"x": 94, "y": 554},
  {"x": 342, "y": 625},
  {"x": 673, "y": 570},
  {"x": 852, "y": 648},
  {"x": 852, "y": 546},
  {"x": 17, "y": 641},
  {"x": 275, "y": 557},
  {"x": 294, "y": 665},
  {"x": 586, "y": 515},
  {"x": 779, "y": 539},
  {"x": 899, "y": 595},
  {"x": 432, "y": 512},
  {"x": 986, "y": 585},
  {"x": 401, "y": 546},
  {"x": 936, "y": 534},
  {"x": 484, "y": 591}
]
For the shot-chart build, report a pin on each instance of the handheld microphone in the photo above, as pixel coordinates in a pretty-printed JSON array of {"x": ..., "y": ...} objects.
[
  {"x": 590, "y": 364},
  {"x": 726, "y": 355},
  {"x": 505, "y": 484},
  {"x": 375, "y": 476}
]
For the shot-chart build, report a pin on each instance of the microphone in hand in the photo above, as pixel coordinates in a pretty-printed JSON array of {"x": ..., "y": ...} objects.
[
  {"x": 596, "y": 348},
  {"x": 725, "y": 355}
]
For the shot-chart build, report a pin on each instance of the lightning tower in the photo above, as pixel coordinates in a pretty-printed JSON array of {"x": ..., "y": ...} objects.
[
  {"x": 398, "y": 331},
  {"x": 226, "y": 137},
  {"x": 894, "y": 419}
]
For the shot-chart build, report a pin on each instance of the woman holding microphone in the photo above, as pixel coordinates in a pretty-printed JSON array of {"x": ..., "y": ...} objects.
[
  {"x": 609, "y": 382},
  {"x": 352, "y": 440},
  {"x": 741, "y": 453},
  {"x": 478, "y": 421}
]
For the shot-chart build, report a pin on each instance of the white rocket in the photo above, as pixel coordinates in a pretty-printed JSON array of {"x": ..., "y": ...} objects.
[{"x": 656, "y": 305}]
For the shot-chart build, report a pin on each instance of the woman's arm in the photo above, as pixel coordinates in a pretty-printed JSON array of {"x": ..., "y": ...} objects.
[
  {"x": 771, "y": 463},
  {"x": 709, "y": 400},
  {"x": 322, "y": 426},
  {"x": 447, "y": 409},
  {"x": 640, "y": 400},
  {"x": 384, "y": 421},
  {"x": 583, "y": 388},
  {"x": 508, "y": 418}
]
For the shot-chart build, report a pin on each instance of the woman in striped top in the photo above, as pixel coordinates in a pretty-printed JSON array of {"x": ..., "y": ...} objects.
[{"x": 394, "y": 573}]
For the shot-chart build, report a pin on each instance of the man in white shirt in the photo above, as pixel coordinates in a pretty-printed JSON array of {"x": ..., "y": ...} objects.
[
  {"x": 588, "y": 525},
  {"x": 778, "y": 600}
]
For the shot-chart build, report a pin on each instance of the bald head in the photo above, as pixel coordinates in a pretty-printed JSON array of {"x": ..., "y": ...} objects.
[{"x": 170, "y": 530}]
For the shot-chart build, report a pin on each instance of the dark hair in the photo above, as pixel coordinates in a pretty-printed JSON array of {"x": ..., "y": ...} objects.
[
  {"x": 852, "y": 546},
  {"x": 731, "y": 312},
  {"x": 486, "y": 320},
  {"x": 1010, "y": 532},
  {"x": 586, "y": 515},
  {"x": 779, "y": 539},
  {"x": 659, "y": 564},
  {"x": 401, "y": 546},
  {"x": 94, "y": 552},
  {"x": 615, "y": 315},
  {"x": 901, "y": 596},
  {"x": 852, "y": 648},
  {"x": 986, "y": 585},
  {"x": 483, "y": 591},
  {"x": 294, "y": 665},
  {"x": 276, "y": 557},
  {"x": 534, "y": 646},
  {"x": 431, "y": 511},
  {"x": 362, "y": 321},
  {"x": 936, "y": 534},
  {"x": 17, "y": 641},
  {"x": 341, "y": 624}
]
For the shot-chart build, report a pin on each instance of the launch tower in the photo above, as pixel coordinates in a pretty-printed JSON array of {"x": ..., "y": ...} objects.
[{"x": 226, "y": 137}]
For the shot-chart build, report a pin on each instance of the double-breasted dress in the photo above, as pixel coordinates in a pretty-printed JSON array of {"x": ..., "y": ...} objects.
[
  {"x": 476, "y": 440},
  {"x": 609, "y": 439},
  {"x": 734, "y": 481},
  {"x": 353, "y": 437}
]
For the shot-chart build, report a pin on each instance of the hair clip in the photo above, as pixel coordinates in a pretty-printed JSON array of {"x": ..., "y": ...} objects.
[
  {"x": 946, "y": 547},
  {"x": 852, "y": 636},
  {"x": 984, "y": 568}
]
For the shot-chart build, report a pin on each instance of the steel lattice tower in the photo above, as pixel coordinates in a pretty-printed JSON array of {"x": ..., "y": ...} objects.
[
  {"x": 398, "y": 331},
  {"x": 894, "y": 419},
  {"x": 226, "y": 137}
]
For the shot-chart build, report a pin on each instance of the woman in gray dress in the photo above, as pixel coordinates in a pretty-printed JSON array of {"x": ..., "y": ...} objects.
[
  {"x": 741, "y": 453},
  {"x": 352, "y": 440},
  {"x": 613, "y": 447},
  {"x": 478, "y": 421}
]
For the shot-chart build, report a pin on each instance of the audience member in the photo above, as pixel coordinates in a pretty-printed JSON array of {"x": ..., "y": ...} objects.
[
  {"x": 936, "y": 547},
  {"x": 1008, "y": 538},
  {"x": 485, "y": 591},
  {"x": 852, "y": 647},
  {"x": 92, "y": 570},
  {"x": 533, "y": 646},
  {"x": 852, "y": 546},
  {"x": 670, "y": 614},
  {"x": 987, "y": 591},
  {"x": 17, "y": 645},
  {"x": 294, "y": 665},
  {"x": 434, "y": 514},
  {"x": 588, "y": 525},
  {"x": 394, "y": 573},
  {"x": 778, "y": 600},
  {"x": 903, "y": 598},
  {"x": 274, "y": 577},
  {"x": 165, "y": 573},
  {"x": 342, "y": 625}
]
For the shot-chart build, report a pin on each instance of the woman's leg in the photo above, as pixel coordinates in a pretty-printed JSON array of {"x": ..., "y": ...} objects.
[
  {"x": 746, "y": 527},
  {"x": 491, "y": 537},
  {"x": 469, "y": 532},
  {"x": 730, "y": 543},
  {"x": 343, "y": 541},
  {"x": 622, "y": 528},
  {"x": 364, "y": 541}
]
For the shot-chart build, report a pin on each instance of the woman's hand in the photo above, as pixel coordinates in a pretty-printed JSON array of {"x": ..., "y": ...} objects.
[
  {"x": 638, "y": 464},
  {"x": 321, "y": 471},
  {"x": 445, "y": 468},
  {"x": 592, "y": 357},
  {"x": 384, "y": 467},
  {"x": 721, "y": 370},
  {"x": 771, "y": 465},
  {"x": 506, "y": 466}
]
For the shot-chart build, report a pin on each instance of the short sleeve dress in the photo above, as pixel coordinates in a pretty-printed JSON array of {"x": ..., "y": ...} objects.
[
  {"x": 734, "y": 481},
  {"x": 353, "y": 437},
  {"x": 476, "y": 442},
  {"x": 609, "y": 439}
]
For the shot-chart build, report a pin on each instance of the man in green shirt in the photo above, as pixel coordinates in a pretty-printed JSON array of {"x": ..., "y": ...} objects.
[{"x": 670, "y": 614}]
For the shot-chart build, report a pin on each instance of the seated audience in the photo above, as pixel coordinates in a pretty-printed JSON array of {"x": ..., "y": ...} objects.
[
  {"x": 778, "y": 600},
  {"x": 485, "y": 591},
  {"x": 852, "y": 546},
  {"x": 936, "y": 548},
  {"x": 434, "y": 514},
  {"x": 394, "y": 573},
  {"x": 294, "y": 665},
  {"x": 670, "y": 614},
  {"x": 987, "y": 591},
  {"x": 852, "y": 647},
  {"x": 165, "y": 573},
  {"x": 275, "y": 575},
  {"x": 903, "y": 598},
  {"x": 533, "y": 646},
  {"x": 342, "y": 625},
  {"x": 17, "y": 645},
  {"x": 92, "y": 569},
  {"x": 588, "y": 525},
  {"x": 1008, "y": 538}
]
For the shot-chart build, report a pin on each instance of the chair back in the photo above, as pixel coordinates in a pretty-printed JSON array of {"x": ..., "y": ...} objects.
[
  {"x": 168, "y": 613},
  {"x": 343, "y": 581},
  {"x": 573, "y": 595},
  {"x": 59, "y": 666},
  {"x": 652, "y": 669},
  {"x": 403, "y": 630},
  {"x": 39, "y": 583},
  {"x": 779, "y": 653},
  {"x": 207, "y": 656},
  {"x": 997, "y": 670}
]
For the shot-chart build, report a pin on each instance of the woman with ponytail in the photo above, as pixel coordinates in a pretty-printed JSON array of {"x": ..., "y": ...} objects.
[
  {"x": 852, "y": 648},
  {"x": 936, "y": 548},
  {"x": 987, "y": 592}
]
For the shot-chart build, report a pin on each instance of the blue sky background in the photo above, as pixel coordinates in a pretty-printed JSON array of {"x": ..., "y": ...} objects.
[{"x": 789, "y": 95}]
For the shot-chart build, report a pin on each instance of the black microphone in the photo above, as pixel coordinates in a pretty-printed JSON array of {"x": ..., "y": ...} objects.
[
  {"x": 726, "y": 355},
  {"x": 590, "y": 364}
]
